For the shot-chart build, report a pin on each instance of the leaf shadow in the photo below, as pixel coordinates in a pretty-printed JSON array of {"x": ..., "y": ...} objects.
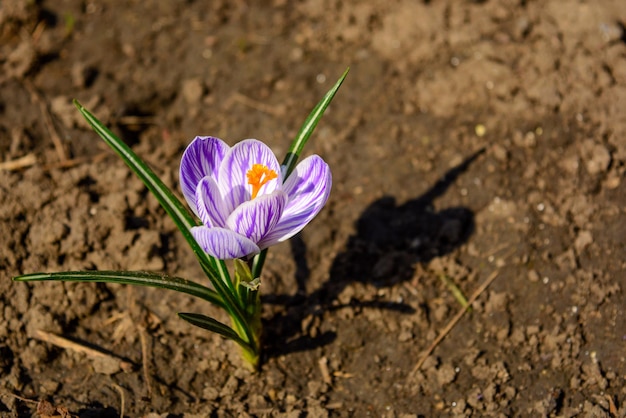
[{"x": 389, "y": 240}]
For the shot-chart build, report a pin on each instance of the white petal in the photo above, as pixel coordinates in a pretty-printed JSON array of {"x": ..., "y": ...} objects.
[
  {"x": 210, "y": 203},
  {"x": 254, "y": 219},
  {"x": 202, "y": 158},
  {"x": 232, "y": 177},
  {"x": 308, "y": 188},
  {"x": 223, "y": 243}
]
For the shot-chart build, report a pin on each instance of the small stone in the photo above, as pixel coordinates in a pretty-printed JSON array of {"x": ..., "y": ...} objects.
[
  {"x": 570, "y": 164},
  {"x": 230, "y": 386},
  {"x": 596, "y": 156},
  {"x": 610, "y": 32},
  {"x": 20, "y": 60},
  {"x": 316, "y": 388},
  {"x": 106, "y": 365},
  {"x": 500, "y": 153},
  {"x": 317, "y": 411},
  {"x": 527, "y": 140},
  {"x": 497, "y": 302},
  {"x": 583, "y": 240},
  {"x": 446, "y": 374},
  {"x": 502, "y": 334},
  {"x": 257, "y": 401},
  {"x": 532, "y": 329},
  {"x": 64, "y": 109},
  {"x": 296, "y": 54},
  {"x": 82, "y": 75},
  {"x": 517, "y": 336},
  {"x": 192, "y": 90},
  {"x": 405, "y": 336},
  {"x": 612, "y": 181},
  {"x": 210, "y": 393},
  {"x": 49, "y": 387},
  {"x": 33, "y": 356}
]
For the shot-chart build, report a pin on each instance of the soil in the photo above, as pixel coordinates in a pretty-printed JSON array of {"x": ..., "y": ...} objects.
[{"x": 472, "y": 140}]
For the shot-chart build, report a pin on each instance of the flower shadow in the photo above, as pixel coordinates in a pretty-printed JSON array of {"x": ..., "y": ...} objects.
[{"x": 389, "y": 240}]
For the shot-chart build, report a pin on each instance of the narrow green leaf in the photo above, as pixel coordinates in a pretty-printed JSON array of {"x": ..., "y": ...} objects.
[
  {"x": 172, "y": 205},
  {"x": 215, "y": 269},
  {"x": 213, "y": 325},
  {"x": 248, "y": 287},
  {"x": 456, "y": 292},
  {"x": 257, "y": 263},
  {"x": 242, "y": 276},
  {"x": 296, "y": 149},
  {"x": 138, "y": 278},
  {"x": 309, "y": 125}
]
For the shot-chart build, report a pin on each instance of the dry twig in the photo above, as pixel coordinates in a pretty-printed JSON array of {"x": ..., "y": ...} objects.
[
  {"x": 76, "y": 161},
  {"x": 47, "y": 120},
  {"x": 145, "y": 359},
  {"x": 19, "y": 163},
  {"x": 454, "y": 320},
  {"x": 44, "y": 408},
  {"x": 612, "y": 406},
  {"x": 71, "y": 345},
  {"x": 121, "y": 391},
  {"x": 323, "y": 363},
  {"x": 260, "y": 106}
]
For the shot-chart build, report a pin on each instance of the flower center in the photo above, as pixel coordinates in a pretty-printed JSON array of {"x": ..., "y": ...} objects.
[{"x": 258, "y": 176}]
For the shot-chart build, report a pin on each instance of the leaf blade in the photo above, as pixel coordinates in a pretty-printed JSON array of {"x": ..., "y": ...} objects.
[
  {"x": 297, "y": 145},
  {"x": 215, "y": 326},
  {"x": 137, "y": 278},
  {"x": 309, "y": 125},
  {"x": 215, "y": 269}
]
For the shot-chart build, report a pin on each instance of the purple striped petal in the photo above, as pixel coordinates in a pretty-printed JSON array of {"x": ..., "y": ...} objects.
[
  {"x": 210, "y": 203},
  {"x": 255, "y": 218},
  {"x": 201, "y": 158},
  {"x": 236, "y": 164},
  {"x": 308, "y": 188},
  {"x": 223, "y": 243}
]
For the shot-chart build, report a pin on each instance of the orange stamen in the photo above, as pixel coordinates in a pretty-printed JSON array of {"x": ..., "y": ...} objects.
[{"x": 258, "y": 176}]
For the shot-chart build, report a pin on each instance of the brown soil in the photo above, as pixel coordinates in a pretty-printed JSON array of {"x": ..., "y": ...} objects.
[{"x": 471, "y": 138}]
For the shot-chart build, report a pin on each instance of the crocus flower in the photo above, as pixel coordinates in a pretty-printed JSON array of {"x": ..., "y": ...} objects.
[{"x": 239, "y": 195}]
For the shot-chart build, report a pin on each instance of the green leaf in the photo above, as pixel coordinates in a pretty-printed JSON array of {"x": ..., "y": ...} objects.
[
  {"x": 296, "y": 149},
  {"x": 172, "y": 205},
  {"x": 309, "y": 125},
  {"x": 215, "y": 269},
  {"x": 456, "y": 292},
  {"x": 243, "y": 275},
  {"x": 257, "y": 263},
  {"x": 215, "y": 326},
  {"x": 138, "y": 278}
]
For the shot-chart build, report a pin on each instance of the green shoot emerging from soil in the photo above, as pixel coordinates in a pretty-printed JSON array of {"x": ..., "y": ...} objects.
[{"x": 246, "y": 201}]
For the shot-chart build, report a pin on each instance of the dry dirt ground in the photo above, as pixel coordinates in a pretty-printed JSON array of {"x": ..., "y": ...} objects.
[{"x": 471, "y": 140}]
